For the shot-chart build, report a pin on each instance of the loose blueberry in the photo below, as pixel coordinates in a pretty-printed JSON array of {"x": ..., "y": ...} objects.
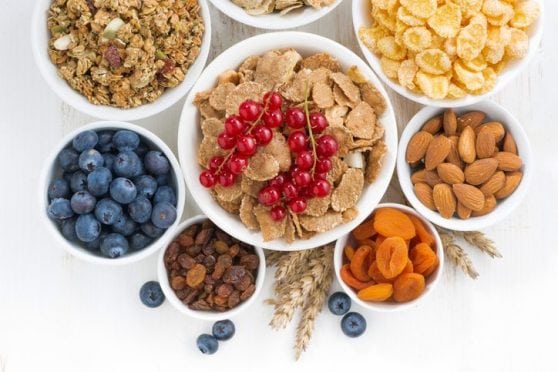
[
  {"x": 87, "y": 228},
  {"x": 151, "y": 230},
  {"x": 58, "y": 188},
  {"x": 139, "y": 241},
  {"x": 207, "y": 344},
  {"x": 83, "y": 202},
  {"x": 124, "y": 225},
  {"x": 163, "y": 215},
  {"x": 109, "y": 161},
  {"x": 353, "y": 324},
  {"x": 123, "y": 190},
  {"x": 114, "y": 245},
  {"x": 146, "y": 186},
  {"x": 128, "y": 164},
  {"x": 223, "y": 330},
  {"x": 98, "y": 181},
  {"x": 85, "y": 140},
  {"x": 339, "y": 303},
  {"x": 140, "y": 209},
  {"x": 156, "y": 163},
  {"x": 108, "y": 211},
  {"x": 105, "y": 141},
  {"x": 69, "y": 229},
  {"x": 91, "y": 159},
  {"x": 78, "y": 181},
  {"x": 60, "y": 209},
  {"x": 68, "y": 160},
  {"x": 164, "y": 194},
  {"x": 125, "y": 140},
  {"x": 151, "y": 294}
]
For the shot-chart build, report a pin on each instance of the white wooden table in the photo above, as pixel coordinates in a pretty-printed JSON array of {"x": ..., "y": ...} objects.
[{"x": 60, "y": 314}]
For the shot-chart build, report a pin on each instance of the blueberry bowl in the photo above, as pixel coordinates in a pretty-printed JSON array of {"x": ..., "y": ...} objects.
[{"x": 111, "y": 193}]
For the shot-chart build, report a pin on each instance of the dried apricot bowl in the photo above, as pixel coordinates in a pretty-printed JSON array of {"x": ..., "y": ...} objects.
[{"x": 382, "y": 290}]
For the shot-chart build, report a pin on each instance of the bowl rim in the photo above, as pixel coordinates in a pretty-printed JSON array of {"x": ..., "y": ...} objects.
[
  {"x": 79, "y": 102},
  {"x": 504, "y": 207},
  {"x": 265, "y": 42},
  {"x": 266, "y": 21},
  {"x": 535, "y": 37},
  {"x": 81, "y": 253},
  {"x": 392, "y": 306},
  {"x": 198, "y": 314}
]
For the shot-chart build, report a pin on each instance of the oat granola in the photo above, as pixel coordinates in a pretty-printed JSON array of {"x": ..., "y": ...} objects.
[{"x": 259, "y": 7}]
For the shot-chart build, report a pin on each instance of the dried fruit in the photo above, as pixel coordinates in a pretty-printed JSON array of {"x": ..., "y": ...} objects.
[
  {"x": 444, "y": 200},
  {"x": 423, "y": 234},
  {"x": 376, "y": 293},
  {"x": 365, "y": 230},
  {"x": 349, "y": 252},
  {"x": 391, "y": 222},
  {"x": 360, "y": 263},
  {"x": 391, "y": 256},
  {"x": 470, "y": 196},
  {"x": 422, "y": 258},
  {"x": 408, "y": 287},
  {"x": 349, "y": 279}
]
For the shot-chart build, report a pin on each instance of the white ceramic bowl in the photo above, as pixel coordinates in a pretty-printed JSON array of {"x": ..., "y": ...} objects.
[
  {"x": 494, "y": 112},
  {"x": 361, "y": 17},
  {"x": 189, "y": 136},
  {"x": 51, "y": 170},
  {"x": 431, "y": 281},
  {"x": 273, "y": 21},
  {"x": 39, "y": 42},
  {"x": 205, "y": 315}
]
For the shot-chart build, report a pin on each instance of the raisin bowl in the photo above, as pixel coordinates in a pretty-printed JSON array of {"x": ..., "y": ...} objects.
[{"x": 207, "y": 274}]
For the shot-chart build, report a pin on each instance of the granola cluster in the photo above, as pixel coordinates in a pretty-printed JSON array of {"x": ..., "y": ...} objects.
[{"x": 259, "y": 7}]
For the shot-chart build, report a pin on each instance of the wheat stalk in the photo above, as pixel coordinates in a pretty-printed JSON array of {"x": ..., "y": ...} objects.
[
  {"x": 272, "y": 257},
  {"x": 479, "y": 240},
  {"x": 457, "y": 255},
  {"x": 289, "y": 263}
]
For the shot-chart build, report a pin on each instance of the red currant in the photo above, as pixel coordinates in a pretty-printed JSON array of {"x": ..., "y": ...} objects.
[
  {"x": 249, "y": 110},
  {"x": 305, "y": 160},
  {"x": 295, "y": 118},
  {"x": 321, "y": 188},
  {"x": 237, "y": 164},
  {"x": 226, "y": 178},
  {"x": 269, "y": 195},
  {"x": 278, "y": 213},
  {"x": 272, "y": 100},
  {"x": 262, "y": 134},
  {"x": 318, "y": 122},
  {"x": 320, "y": 176},
  {"x": 326, "y": 146},
  {"x": 246, "y": 145},
  {"x": 298, "y": 205},
  {"x": 273, "y": 118},
  {"x": 225, "y": 141},
  {"x": 297, "y": 141},
  {"x": 278, "y": 181},
  {"x": 306, "y": 192},
  {"x": 289, "y": 190},
  {"x": 302, "y": 178},
  {"x": 234, "y": 126},
  {"x": 207, "y": 179},
  {"x": 323, "y": 165},
  {"x": 215, "y": 162}
]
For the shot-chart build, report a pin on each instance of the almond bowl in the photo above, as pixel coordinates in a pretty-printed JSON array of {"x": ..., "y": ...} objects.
[{"x": 494, "y": 112}]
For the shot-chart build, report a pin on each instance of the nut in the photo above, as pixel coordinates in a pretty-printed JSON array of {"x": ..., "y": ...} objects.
[
  {"x": 470, "y": 196},
  {"x": 444, "y": 200}
]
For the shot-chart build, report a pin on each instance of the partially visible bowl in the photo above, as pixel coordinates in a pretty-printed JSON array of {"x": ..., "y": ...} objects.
[
  {"x": 39, "y": 43},
  {"x": 494, "y": 112},
  {"x": 198, "y": 314},
  {"x": 431, "y": 281},
  {"x": 361, "y": 18},
  {"x": 51, "y": 168}
]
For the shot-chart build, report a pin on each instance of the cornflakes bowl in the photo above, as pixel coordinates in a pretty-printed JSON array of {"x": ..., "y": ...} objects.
[
  {"x": 190, "y": 136},
  {"x": 361, "y": 10},
  {"x": 40, "y": 39}
]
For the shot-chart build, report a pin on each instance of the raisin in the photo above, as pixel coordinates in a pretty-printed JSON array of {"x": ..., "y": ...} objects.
[
  {"x": 113, "y": 57},
  {"x": 224, "y": 290},
  {"x": 248, "y": 292},
  {"x": 222, "y": 236},
  {"x": 209, "y": 299},
  {"x": 175, "y": 266},
  {"x": 91, "y": 6},
  {"x": 209, "y": 261},
  {"x": 233, "y": 274},
  {"x": 196, "y": 275},
  {"x": 193, "y": 250},
  {"x": 168, "y": 67},
  {"x": 190, "y": 296},
  {"x": 221, "y": 301},
  {"x": 250, "y": 261},
  {"x": 199, "y": 258},
  {"x": 220, "y": 247},
  {"x": 233, "y": 250},
  {"x": 206, "y": 224},
  {"x": 185, "y": 240},
  {"x": 218, "y": 271},
  {"x": 172, "y": 252},
  {"x": 178, "y": 282},
  {"x": 191, "y": 230},
  {"x": 208, "y": 288},
  {"x": 186, "y": 261},
  {"x": 181, "y": 294},
  {"x": 225, "y": 260},
  {"x": 219, "y": 308},
  {"x": 209, "y": 280},
  {"x": 200, "y": 305},
  {"x": 208, "y": 249},
  {"x": 242, "y": 252},
  {"x": 234, "y": 299},
  {"x": 243, "y": 283},
  {"x": 204, "y": 236}
]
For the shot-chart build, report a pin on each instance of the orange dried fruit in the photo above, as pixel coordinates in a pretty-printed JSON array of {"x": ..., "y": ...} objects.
[
  {"x": 422, "y": 232},
  {"x": 392, "y": 222},
  {"x": 364, "y": 230},
  {"x": 408, "y": 287},
  {"x": 376, "y": 275},
  {"x": 349, "y": 252},
  {"x": 379, "y": 240},
  {"x": 391, "y": 256},
  {"x": 409, "y": 268},
  {"x": 431, "y": 269},
  {"x": 423, "y": 258},
  {"x": 377, "y": 292},
  {"x": 360, "y": 263},
  {"x": 349, "y": 279}
]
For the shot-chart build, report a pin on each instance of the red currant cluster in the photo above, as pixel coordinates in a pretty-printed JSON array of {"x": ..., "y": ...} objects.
[{"x": 242, "y": 135}]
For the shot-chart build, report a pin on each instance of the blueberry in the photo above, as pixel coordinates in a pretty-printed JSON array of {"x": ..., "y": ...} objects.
[
  {"x": 85, "y": 140},
  {"x": 164, "y": 194},
  {"x": 128, "y": 164},
  {"x": 83, "y": 202},
  {"x": 58, "y": 188},
  {"x": 151, "y": 294},
  {"x": 151, "y": 230},
  {"x": 163, "y": 215},
  {"x": 146, "y": 186},
  {"x": 162, "y": 179},
  {"x": 114, "y": 245},
  {"x": 353, "y": 324},
  {"x": 98, "y": 181},
  {"x": 69, "y": 229},
  {"x": 207, "y": 344},
  {"x": 68, "y": 160},
  {"x": 223, "y": 330},
  {"x": 60, "y": 209},
  {"x": 124, "y": 225},
  {"x": 156, "y": 163},
  {"x": 139, "y": 241},
  {"x": 91, "y": 159},
  {"x": 140, "y": 209},
  {"x": 125, "y": 140},
  {"x": 95, "y": 245},
  {"x": 339, "y": 303},
  {"x": 109, "y": 161},
  {"x": 78, "y": 181},
  {"x": 123, "y": 190},
  {"x": 105, "y": 141},
  {"x": 141, "y": 150},
  {"x": 87, "y": 228},
  {"x": 108, "y": 211}
]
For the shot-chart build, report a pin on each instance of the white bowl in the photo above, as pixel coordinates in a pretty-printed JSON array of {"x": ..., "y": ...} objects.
[
  {"x": 39, "y": 42},
  {"x": 273, "y": 21},
  {"x": 494, "y": 112},
  {"x": 361, "y": 17},
  {"x": 189, "y": 136},
  {"x": 431, "y": 281},
  {"x": 51, "y": 169},
  {"x": 205, "y": 315}
]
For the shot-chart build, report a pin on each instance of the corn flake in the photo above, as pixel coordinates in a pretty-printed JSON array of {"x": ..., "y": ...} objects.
[
  {"x": 404, "y": 16},
  {"x": 526, "y": 12},
  {"x": 417, "y": 39},
  {"x": 390, "y": 67},
  {"x": 390, "y": 49},
  {"x": 471, "y": 79},
  {"x": 434, "y": 86},
  {"x": 518, "y": 45},
  {"x": 420, "y": 8},
  {"x": 433, "y": 61},
  {"x": 406, "y": 73},
  {"x": 446, "y": 21}
]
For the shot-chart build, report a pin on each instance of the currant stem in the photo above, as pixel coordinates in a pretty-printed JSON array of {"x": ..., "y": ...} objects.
[{"x": 310, "y": 132}]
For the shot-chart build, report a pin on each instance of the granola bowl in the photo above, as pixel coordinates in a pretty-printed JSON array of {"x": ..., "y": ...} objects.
[
  {"x": 314, "y": 228},
  {"x": 111, "y": 81}
]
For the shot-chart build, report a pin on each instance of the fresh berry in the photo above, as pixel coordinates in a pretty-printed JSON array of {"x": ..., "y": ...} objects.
[
  {"x": 278, "y": 213},
  {"x": 321, "y": 188},
  {"x": 215, "y": 162},
  {"x": 320, "y": 176},
  {"x": 207, "y": 179},
  {"x": 156, "y": 163},
  {"x": 249, "y": 110},
  {"x": 289, "y": 190},
  {"x": 226, "y": 178},
  {"x": 223, "y": 330},
  {"x": 297, "y": 141},
  {"x": 123, "y": 190},
  {"x": 295, "y": 118},
  {"x": 142, "y": 150},
  {"x": 85, "y": 140},
  {"x": 104, "y": 143},
  {"x": 95, "y": 244},
  {"x": 139, "y": 241},
  {"x": 163, "y": 179},
  {"x": 109, "y": 161},
  {"x": 262, "y": 134},
  {"x": 91, "y": 159},
  {"x": 151, "y": 230},
  {"x": 304, "y": 160},
  {"x": 124, "y": 225},
  {"x": 68, "y": 229},
  {"x": 68, "y": 160},
  {"x": 273, "y": 118},
  {"x": 326, "y": 146},
  {"x": 237, "y": 164},
  {"x": 163, "y": 215},
  {"x": 58, "y": 188},
  {"x": 353, "y": 324},
  {"x": 128, "y": 164},
  {"x": 146, "y": 185},
  {"x": 225, "y": 141},
  {"x": 87, "y": 227},
  {"x": 98, "y": 181},
  {"x": 60, "y": 209},
  {"x": 114, "y": 245},
  {"x": 269, "y": 195},
  {"x": 125, "y": 140},
  {"x": 140, "y": 209},
  {"x": 278, "y": 181},
  {"x": 207, "y": 344},
  {"x": 108, "y": 211},
  {"x": 318, "y": 122},
  {"x": 302, "y": 178},
  {"x": 272, "y": 100},
  {"x": 339, "y": 303},
  {"x": 151, "y": 294},
  {"x": 83, "y": 202},
  {"x": 246, "y": 145},
  {"x": 165, "y": 193},
  {"x": 298, "y": 205},
  {"x": 323, "y": 165},
  {"x": 234, "y": 126}
]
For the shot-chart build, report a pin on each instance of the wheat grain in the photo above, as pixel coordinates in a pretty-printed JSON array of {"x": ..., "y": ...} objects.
[
  {"x": 457, "y": 255},
  {"x": 272, "y": 257},
  {"x": 479, "y": 240}
]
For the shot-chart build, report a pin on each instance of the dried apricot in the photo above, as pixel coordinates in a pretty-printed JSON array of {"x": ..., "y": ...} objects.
[
  {"x": 391, "y": 222},
  {"x": 379, "y": 240},
  {"x": 391, "y": 256},
  {"x": 360, "y": 263},
  {"x": 349, "y": 252},
  {"x": 422, "y": 232},
  {"x": 432, "y": 268},
  {"x": 376, "y": 275},
  {"x": 409, "y": 268},
  {"x": 365, "y": 230},
  {"x": 423, "y": 257},
  {"x": 377, "y": 292},
  {"x": 407, "y": 287},
  {"x": 349, "y": 279}
]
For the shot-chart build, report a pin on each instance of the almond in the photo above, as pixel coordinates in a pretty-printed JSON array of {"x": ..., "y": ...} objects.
[
  {"x": 480, "y": 171},
  {"x": 472, "y": 119},
  {"x": 424, "y": 194},
  {"x": 496, "y": 128},
  {"x": 485, "y": 144},
  {"x": 453, "y": 156},
  {"x": 433, "y": 125},
  {"x": 462, "y": 211},
  {"x": 437, "y": 151},
  {"x": 450, "y": 122},
  {"x": 512, "y": 181},
  {"x": 416, "y": 149},
  {"x": 508, "y": 161},
  {"x": 509, "y": 144},
  {"x": 444, "y": 200},
  {"x": 494, "y": 183},
  {"x": 450, "y": 173},
  {"x": 469, "y": 196},
  {"x": 466, "y": 145},
  {"x": 431, "y": 178},
  {"x": 489, "y": 205}
]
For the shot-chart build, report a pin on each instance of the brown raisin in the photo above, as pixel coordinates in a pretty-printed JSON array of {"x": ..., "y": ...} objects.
[
  {"x": 200, "y": 305},
  {"x": 199, "y": 258},
  {"x": 181, "y": 294},
  {"x": 196, "y": 275},
  {"x": 209, "y": 280},
  {"x": 243, "y": 283},
  {"x": 113, "y": 57},
  {"x": 250, "y": 261},
  {"x": 186, "y": 261},
  {"x": 208, "y": 288},
  {"x": 233, "y": 274},
  {"x": 234, "y": 299},
  {"x": 219, "y": 308},
  {"x": 172, "y": 252},
  {"x": 204, "y": 236},
  {"x": 185, "y": 240},
  {"x": 225, "y": 260},
  {"x": 190, "y": 296},
  {"x": 209, "y": 262},
  {"x": 191, "y": 230},
  {"x": 221, "y": 301},
  {"x": 209, "y": 299},
  {"x": 224, "y": 237},
  {"x": 178, "y": 282},
  {"x": 193, "y": 251},
  {"x": 206, "y": 224},
  {"x": 208, "y": 249},
  {"x": 233, "y": 250},
  {"x": 175, "y": 266},
  {"x": 224, "y": 290},
  {"x": 248, "y": 292},
  {"x": 220, "y": 247},
  {"x": 218, "y": 271}
]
